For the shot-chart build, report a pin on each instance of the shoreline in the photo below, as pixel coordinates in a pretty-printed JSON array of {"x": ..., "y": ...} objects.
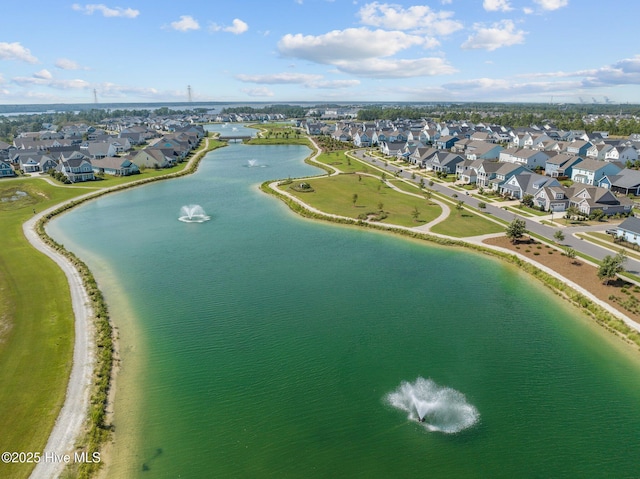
[
  {"x": 67, "y": 423},
  {"x": 70, "y": 425},
  {"x": 595, "y": 310}
]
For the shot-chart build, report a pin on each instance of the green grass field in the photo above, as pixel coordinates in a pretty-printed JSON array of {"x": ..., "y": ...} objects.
[
  {"x": 335, "y": 195},
  {"x": 36, "y": 324},
  {"x": 465, "y": 224}
]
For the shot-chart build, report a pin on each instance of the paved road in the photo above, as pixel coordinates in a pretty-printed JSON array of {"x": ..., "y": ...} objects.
[{"x": 585, "y": 247}]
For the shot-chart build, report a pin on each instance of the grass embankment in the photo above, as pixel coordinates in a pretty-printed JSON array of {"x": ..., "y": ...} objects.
[
  {"x": 36, "y": 325},
  {"x": 37, "y": 321}
]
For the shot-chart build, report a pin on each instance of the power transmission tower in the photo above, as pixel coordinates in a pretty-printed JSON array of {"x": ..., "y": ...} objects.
[{"x": 189, "y": 92}]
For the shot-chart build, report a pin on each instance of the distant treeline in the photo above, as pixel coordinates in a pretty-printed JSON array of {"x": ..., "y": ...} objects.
[
  {"x": 622, "y": 119},
  {"x": 290, "y": 111}
]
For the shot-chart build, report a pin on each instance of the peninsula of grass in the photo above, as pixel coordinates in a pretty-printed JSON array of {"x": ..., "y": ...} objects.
[
  {"x": 335, "y": 195},
  {"x": 37, "y": 320}
]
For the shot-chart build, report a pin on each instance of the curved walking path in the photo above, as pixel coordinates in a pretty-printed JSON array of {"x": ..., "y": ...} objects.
[{"x": 74, "y": 410}]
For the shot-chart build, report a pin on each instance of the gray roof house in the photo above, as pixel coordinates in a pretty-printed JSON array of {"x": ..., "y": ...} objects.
[
  {"x": 76, "y": 169},
  {"x": 561, "y": 165},
  {"x": 443, "y": 161},
  {"x": 528, "y": 183},
  {"x": 626, "y": 182},
  {"x": 114, "y": 165},
  {"x": 6, "y": 170},
  {"x": 590, "y": 198},
  {"x": 629, "y": 230}
]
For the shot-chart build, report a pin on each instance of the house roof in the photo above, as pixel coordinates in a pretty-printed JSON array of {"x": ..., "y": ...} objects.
[
  {"x": 627, "y": 178},
  {"x": 631, "y": 224}
]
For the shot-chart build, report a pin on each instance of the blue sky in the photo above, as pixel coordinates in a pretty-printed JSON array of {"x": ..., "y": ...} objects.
[{"x": 320, "y": 50}]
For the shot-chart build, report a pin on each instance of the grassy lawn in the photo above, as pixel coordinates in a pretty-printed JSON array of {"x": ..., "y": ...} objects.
[
  {"x": 461, "y": 224},
  {"x": 335, "y": 195},
  {"x": 36, "y": 325}
]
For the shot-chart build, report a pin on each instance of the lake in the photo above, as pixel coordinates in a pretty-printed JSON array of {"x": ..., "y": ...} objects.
[{"x": 260, "y": 344}]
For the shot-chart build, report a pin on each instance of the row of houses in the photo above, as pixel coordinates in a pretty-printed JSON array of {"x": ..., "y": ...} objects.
[{"x": 82, "y": 161}]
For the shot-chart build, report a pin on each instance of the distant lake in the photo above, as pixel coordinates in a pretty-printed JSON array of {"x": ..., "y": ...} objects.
[{"x": 260, "y": 344}]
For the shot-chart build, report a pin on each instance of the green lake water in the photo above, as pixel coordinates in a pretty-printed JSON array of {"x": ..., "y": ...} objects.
[{"x": 266, "y": 345}]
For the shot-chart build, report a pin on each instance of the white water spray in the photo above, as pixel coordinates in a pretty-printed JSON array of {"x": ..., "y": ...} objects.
[
  {"x": 193, "y": 214},
  {"x": 440, "y": 408}
]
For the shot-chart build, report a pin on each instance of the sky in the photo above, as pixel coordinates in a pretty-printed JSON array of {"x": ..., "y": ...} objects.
[{"x": 130, "y": 51}]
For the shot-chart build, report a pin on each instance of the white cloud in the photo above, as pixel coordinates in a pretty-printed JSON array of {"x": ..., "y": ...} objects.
[
  {"x": 552, "y": 4},
  {"x": 41, "y": 79},
  {"x": 393, "y": 68},
  {"x": 623, "y": 72},
  {"x": 237, "y": 27},
  {"x": 527, "y": 10},
  {"x": 66, "y": 64},
  {"x": 417, "y": 17},
  {"x": 106, "y": 11},
  {"x": 258, "y": 92},
  {"x": 497, "y": 5},
  {"x": 501, "y": 34},
  {"x": 350, "y": 44},
  {"x": 185, "y": 24},
  {"x": 279, "y": 78},
  {"x": 306, "y": 79},
  {"x": 15, "y": 51},
  {"x": 43, "y": 74}
]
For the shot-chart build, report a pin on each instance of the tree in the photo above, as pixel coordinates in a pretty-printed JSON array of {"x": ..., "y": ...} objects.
[
  {"x": 415, "y": 213},
  {"x": 571, "y": 254},
  {"x": 354, "y": 199},
  {"x": 572, "y": 212},
  {"x": 460, "y": 205},
  {"x": 558, "y": 236},
  {"x": 482, "y": 205},
  {"x": 380, "y": 206},
  {"x": 527, "y": 200},
  {"x": 516, "y": 229},
  {"x": 421, "y": 184},
  {"x": 611, "y": 266}
]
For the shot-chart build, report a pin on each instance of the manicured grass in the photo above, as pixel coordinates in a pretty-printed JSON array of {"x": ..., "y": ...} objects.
[
  {"x": 335, "y": 195},
  {"x": 36, "y": 319},
  {"x": 462, "y": 224}
]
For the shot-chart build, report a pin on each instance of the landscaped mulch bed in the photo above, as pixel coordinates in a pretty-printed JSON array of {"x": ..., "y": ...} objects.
[{"x": 627, "y": 295}]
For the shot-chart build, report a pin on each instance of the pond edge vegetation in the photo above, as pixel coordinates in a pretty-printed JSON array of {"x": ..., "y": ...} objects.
[
  {"x": 602, "y": 317},
  {"x": 97, "y": 429}
]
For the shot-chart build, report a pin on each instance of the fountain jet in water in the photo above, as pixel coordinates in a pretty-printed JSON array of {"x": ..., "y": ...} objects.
[
  {"x": 254, "y": 164},
  {"x": 439, "y": 408},
  {"x": 193, "y": 214}
]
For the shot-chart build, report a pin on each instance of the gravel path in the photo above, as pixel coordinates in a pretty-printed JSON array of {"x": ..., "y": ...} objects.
[{"x": 73, "y": 413}]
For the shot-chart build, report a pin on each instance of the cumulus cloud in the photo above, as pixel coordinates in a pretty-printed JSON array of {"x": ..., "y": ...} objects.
[
  {"x": 43, "y": 74},
  {"x": 305, "y": 79},
  {"x": 185, "y": 24},
  {"x": 279, "y": 78},
  {"x": 497, "y": 5},
  {"x": 237, "y": 27},
  {"x": 66, "y": 64},
  {"x": 349, "y": 44},
  {"x": 498, "y": 35},
  {"x": 623, "y": 72},
  {"x": 43, "y": 80},
  {"x": 552, "y": 4},
  {"x": 417, "y": 17},
  {"x": 15, "y": 51},
  {"x": 396, "y": 68},
  {"x": 258, "y": 92},
  {"x": 106, "y": 11}
]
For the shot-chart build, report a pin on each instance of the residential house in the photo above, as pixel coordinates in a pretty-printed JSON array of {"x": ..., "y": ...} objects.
[
  {"x": 626, "y": 181},
  {"x": 467, "y": 171},
  {"x": 481, "y": 150},
  {"x": 486, "y": 171},
  {"x": 590, "y": 172},
  {"x": 76, "y": 169},
  {"x": 599, "y": 151},
  {"x": 392, "y": 148},
  {"x": 6, "y": 170},
  {"x": 29, "y": 164},
  {"x": 578, "y": 148},
  {"x": 504, "y": 172},
  {"x": 629, "y": 230},
  {"x": 524, "y": 156},
  {"x": 446, "y": 142},
  {"x": 591, "y": 198},
  {"x": 97, "y": 150},
  {"x": 552, "y": 198},
  {"x": 114, "y": 165},
  {"x": 561, "y": 165},
  {"x": 152, "y": 158},
  {"x": 420, "y": 155},
  {"x": 363, "y": 139},
  {"x": 443, "y": 162},
  {"x": 622, "y": 153},
  {"x": 527, "y": 183}
]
